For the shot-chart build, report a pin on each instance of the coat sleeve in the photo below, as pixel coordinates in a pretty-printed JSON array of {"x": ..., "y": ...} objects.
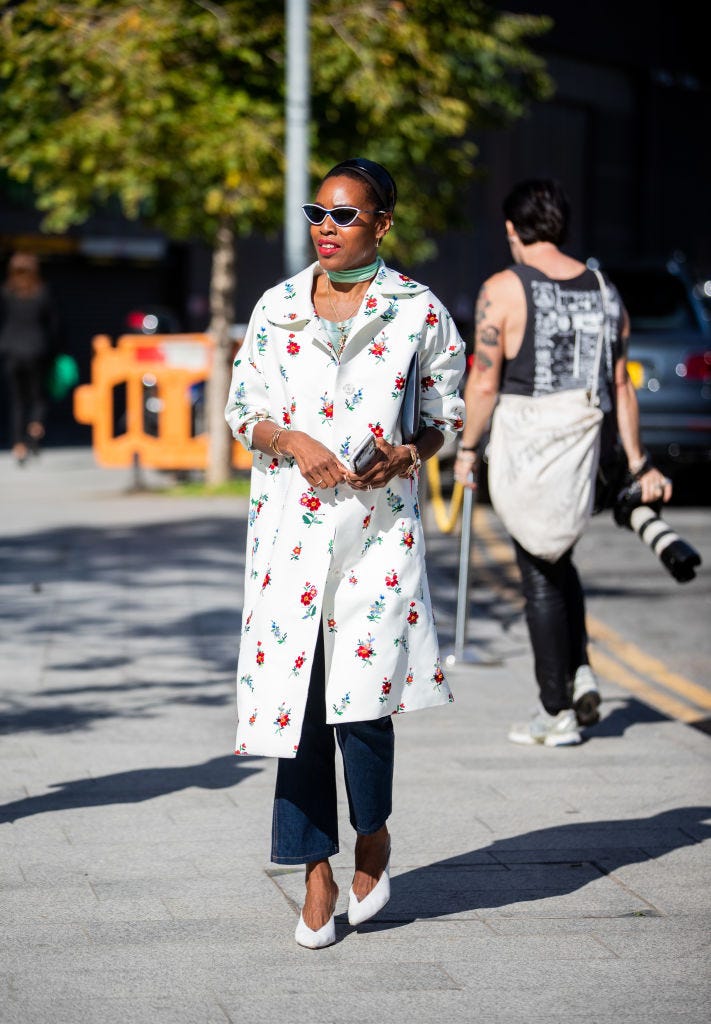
[
  {"x": 248, "y": 400},
  {"x": 441, "y": 370}
]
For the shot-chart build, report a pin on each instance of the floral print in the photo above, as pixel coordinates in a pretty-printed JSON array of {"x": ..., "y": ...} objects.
[{"x": 351, "y": 560}]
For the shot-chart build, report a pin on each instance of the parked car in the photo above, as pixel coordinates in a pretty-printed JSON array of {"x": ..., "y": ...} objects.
[{"x": 669, "y": 360}]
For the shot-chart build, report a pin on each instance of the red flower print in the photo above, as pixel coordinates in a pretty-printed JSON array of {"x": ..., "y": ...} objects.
[
  {"x": 371, "y": 302},
  {"x": 365, "y": 650},
  {"x": 399, "y": 382},
  {"x": 431, "y": 319},
  {"x": 242, "y": 429},
  {"x": 274, "y": 464},
  {"x": 267, "y": 579},
  {"x": 260, "y": 653},
  {"x": 285, "y": 417},
  {"x": 331, "y": 623},
  {"x": 309, "y": 594},
  {"x": 458, "y": 423},
  {"x": 438, "y": 677},
  {"x": 376, "y": 429},
  {"x": 387, "y": 686},
  {"x": 404, "y": 277},
  {"x": 426, "y": 383},
  {"x": 283, "y": 718},
  {"x": 366, "y": 520},
  {"x": 409, "y": 677},
  {"x": 326, "y": 407},
  {"x": 391, "y": 579},
  {"x": 299, "y": 661},
  {"x": 353, "y": 579},
  {"x": 253, "y": 717},
  {"x": 296, "y": 551},
  {"x": 412, "y": 615},
  {"x": 293, "y": 347},
  {"x": 408, "y": 540},
  {"x": 378, "y": 349},
  {"x": 310, "y": 501}
]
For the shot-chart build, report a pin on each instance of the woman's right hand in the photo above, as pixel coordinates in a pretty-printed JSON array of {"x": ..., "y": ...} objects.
[{"x": 319, "y": 466}]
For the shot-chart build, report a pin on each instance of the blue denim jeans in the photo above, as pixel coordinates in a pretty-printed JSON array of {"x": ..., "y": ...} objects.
[{"x": 305, "y": 820}]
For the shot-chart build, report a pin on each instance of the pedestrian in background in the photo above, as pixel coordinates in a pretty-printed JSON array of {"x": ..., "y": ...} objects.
[
  {"x": 28, "y": 337},
  {"x": 547, "y": 326},
  {"x": 337, "y": 631}
]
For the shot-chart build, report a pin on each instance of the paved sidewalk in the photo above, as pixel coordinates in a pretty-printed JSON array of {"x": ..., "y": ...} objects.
[{"x": 528, "y": 884}]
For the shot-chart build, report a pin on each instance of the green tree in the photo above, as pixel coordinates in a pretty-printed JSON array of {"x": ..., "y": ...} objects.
[{"x": 176, "y": 109}]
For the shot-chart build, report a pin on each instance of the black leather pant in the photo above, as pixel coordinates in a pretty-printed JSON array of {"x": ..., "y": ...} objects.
[{"x": 555, "y": 613}]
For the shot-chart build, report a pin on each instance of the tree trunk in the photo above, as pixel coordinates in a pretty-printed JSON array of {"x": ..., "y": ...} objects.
[{"x": 222, "y": 291}]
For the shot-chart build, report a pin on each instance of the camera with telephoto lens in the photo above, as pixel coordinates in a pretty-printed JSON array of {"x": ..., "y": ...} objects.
[{"x": 675, "y": 554}]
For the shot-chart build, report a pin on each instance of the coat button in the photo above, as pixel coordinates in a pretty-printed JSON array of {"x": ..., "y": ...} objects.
[{"x": 348, "y": 389}]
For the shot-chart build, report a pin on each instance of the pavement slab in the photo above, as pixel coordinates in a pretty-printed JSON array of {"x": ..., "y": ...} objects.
[{"x": 528, "y": 885}]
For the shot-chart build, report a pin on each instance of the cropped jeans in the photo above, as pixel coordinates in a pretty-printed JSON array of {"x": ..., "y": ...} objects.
[
  {"x": 555, "y": 615},
  {"x": 305, "y": 818}
]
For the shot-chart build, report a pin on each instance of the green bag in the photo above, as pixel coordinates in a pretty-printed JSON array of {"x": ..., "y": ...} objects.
[{"x": 62, "y": 377}]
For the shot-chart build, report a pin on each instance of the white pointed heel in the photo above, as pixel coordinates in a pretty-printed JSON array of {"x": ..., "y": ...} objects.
[
  {"x": 325, "y": 936},
  {"x": 362, "y": 910}
]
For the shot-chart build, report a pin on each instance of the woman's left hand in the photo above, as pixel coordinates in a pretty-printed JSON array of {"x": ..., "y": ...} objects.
[{"x": 394, "y": 461}]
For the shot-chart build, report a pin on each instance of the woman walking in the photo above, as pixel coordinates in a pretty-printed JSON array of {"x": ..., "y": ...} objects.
[
  {"x": 28, "y": 334},
  {"x": 337, "y": 631}
]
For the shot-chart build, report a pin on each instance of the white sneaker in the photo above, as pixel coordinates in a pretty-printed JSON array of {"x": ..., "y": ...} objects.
[
  {"x": 586, "y": 696},
  {"x": 559, "y": 730}
]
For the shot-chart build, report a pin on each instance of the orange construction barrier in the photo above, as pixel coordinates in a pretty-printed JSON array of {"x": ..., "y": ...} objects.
[{"x": 162, "y": 426}]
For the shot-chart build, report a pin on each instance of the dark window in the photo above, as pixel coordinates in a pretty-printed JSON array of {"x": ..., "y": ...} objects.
[{"x": 655, "y": 300}]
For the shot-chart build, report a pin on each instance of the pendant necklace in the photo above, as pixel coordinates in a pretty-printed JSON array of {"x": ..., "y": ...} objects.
[{"x": 340, "y": 324}]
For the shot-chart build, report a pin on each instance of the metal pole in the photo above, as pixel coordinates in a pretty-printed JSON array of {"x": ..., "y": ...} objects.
[
  {"x": 463, "y": 653},
  {"x": 297, "y": 135},
  {"x": 463, "y": 584}
]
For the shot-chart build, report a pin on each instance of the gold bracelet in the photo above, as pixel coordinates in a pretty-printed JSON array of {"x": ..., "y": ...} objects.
[
  {"x": 274, "y": 443},
  {"x": 416, "y": 461}
]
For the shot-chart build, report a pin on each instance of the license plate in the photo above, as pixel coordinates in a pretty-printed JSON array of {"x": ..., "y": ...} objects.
[{"x": 636, "y": 372}]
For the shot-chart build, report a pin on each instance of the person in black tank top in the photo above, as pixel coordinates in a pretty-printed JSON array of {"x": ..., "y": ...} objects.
[{"x": 536, "y": 330}]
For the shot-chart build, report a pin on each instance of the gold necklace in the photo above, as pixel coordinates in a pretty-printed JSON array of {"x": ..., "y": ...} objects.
[{"x": 340, "y": 324}]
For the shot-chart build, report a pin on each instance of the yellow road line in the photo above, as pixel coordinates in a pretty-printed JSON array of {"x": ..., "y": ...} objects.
[
  {"x": 611, "y": 670},
  {"x": 647, "y": 665},
  {"x": 630, "y": 655}
]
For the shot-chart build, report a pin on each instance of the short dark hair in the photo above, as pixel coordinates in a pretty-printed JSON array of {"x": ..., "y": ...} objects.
[
  {"x": 539, "y": 210},
  {"x": 378, "y": 180}
]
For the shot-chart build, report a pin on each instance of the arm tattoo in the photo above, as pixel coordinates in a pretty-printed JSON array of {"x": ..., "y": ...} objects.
[
  {"x": 486, "y": 334},
  {"x": 489, "y": 336},
  {"x": 482, "y": 304},
  {"x": 483, "y": 362}
]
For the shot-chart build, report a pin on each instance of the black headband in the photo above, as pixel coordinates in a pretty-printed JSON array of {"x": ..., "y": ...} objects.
[{"x": 379, "y": 179}]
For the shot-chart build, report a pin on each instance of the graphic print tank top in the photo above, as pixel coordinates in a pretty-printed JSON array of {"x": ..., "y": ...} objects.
[{"x": 563, "y": 324}]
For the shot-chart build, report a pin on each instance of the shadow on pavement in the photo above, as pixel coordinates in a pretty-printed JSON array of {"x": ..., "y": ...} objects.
[
  {"x": 542, "y": 864},
  {"x": 115, "y": 621},
  {"x": 132, "y": 787}
]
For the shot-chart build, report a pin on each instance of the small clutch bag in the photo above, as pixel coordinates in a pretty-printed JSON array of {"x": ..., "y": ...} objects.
[{"x": 410, "y": 409}]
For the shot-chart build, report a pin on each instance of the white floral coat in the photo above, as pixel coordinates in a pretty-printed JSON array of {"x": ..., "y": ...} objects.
[{"x": 353, "y": 560}]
